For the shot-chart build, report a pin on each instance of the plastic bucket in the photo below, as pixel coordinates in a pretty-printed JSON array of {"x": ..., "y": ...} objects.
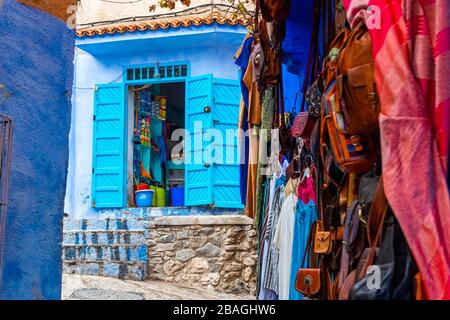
[
  {"x": 177, "y": 196},
  {"x": 144, "y": 198}
]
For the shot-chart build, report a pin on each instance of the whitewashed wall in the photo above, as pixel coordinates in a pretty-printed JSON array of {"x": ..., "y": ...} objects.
[{"x": 92, "y": 11}]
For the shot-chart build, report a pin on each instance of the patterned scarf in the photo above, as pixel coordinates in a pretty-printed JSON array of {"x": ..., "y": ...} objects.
[{"x": 411, "y": 50}]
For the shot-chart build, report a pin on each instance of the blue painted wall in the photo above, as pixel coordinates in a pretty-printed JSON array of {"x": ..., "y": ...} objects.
[
  {"x": 295, "y": 52},
  {"x": 36, "y": 69}
]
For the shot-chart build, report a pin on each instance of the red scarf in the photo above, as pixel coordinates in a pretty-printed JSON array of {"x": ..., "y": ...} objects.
[{"x": 411, "y": 50}]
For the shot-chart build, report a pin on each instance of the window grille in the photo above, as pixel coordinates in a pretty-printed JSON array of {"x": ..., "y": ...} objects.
[{"x": 157, "y": 71}]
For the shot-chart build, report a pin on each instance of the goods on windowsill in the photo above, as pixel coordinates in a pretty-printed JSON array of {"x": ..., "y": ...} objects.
[
  {"x": 145, "y": 132},
  {"x": 177, "y": 196},
  {"x": 155, "y": 108},
  {"x": 155, "y": 147},
  {"x": 145, "y": 173},
  {"x": 162, "y": 107},
  {"x": 159, "y": 108},
  {"x": 144, "y": 198}
]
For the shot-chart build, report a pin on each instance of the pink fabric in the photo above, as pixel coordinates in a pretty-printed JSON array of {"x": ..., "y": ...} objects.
[
  {"x": 412, "y": 56},
  {"x": 306, "y": 191}
]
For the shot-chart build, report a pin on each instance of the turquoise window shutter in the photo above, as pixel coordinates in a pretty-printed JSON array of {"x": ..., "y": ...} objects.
[
  {"x": 226, "y": 175},
  {"x": 212, "y": 104},
  {"x": 198, "y": 174},
  {"x": 108, "y": 157}
]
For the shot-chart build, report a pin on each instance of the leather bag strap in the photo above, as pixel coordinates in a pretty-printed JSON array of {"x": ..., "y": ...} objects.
[
  {"x": 375, "y": 223},
  {"x": 308, "y": 243}
]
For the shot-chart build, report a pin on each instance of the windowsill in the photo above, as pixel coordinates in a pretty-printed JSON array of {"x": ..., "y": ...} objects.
[{"x": 151, "y": 212}]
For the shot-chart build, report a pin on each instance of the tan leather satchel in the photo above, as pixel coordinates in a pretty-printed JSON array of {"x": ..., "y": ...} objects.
[
  {"x": 353, "y": 153},
  {"x": 323, "y": 242},
  {"x": 356, "y": 87}
]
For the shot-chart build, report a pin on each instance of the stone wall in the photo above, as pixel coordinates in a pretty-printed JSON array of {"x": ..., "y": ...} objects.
[
  {"x": 212, "y": 252},
  {"x": 216, "y": 253}
]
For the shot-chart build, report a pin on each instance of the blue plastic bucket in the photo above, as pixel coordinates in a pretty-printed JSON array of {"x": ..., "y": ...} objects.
[
  {"x": 144, "y": 198},
  {"x": 177, "y": 197}
]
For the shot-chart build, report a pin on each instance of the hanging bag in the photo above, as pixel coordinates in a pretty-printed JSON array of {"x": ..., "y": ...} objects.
[
  {"x": 352, "y": 153},
  {"x": 356, "y": 87},
  {"x": 308, "y": 281}
]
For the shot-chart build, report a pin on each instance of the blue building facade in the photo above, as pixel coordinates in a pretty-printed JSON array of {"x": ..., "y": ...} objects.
[
  {"x": 36, "y": 70},
  {"x": 192, "y": 65},
  {"x": 107, "y": 69}
]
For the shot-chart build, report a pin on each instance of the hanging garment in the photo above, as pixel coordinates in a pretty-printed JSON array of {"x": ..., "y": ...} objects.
[
  {"x": 242, "y": 57},
  {"x": 252, "y": 173},
  {"x": 270, "y": 273},
  {"x": 411, "y": 55},
  {"x": 305, "y": 216},
  {"x": 291, "y": 186},
  {"x": 284, "y": 236},
  {"x": 264, "y": 293},
  {"x": 261, "y": 246},
  {"x": 254, "y": 102},
  {"x": 306, "y": 191},
  {"x": 264, "y": 139}
]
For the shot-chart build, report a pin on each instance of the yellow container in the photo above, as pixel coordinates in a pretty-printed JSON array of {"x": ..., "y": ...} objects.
[
  {"x": 162, "y": 107},
  {"x": 154, "y": 196},
  {"x": 160, "y": 197}
]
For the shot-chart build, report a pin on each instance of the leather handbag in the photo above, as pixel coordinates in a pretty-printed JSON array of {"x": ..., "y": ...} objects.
[
  {"x": 366, "y": 194},
  {"x": 377, "y": 217},
  {"x": 361, "y": 290},
  {"x": 309, "y": 280},
  {"x": 329, "y": 65},
  {"x": 396, "y": 268},
  {"x": 323, "y": 243},
  {"x": 314, "y": 98},
  {"x": 302, "y": 126},
  {"x": 356, "y": 87},
  {"x": 352, "y": 153}
]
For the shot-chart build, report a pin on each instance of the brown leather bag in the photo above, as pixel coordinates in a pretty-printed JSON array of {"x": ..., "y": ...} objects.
[
  {"x": 356, "y": 87},
  {"x": 329, "y": 67},
  {"x": 308, "y": 281},
  {"x": 352, "y": 153},
  {"x": 323, "y": 242}
]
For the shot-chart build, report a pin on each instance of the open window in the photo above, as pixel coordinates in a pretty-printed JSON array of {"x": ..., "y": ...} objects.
[
  {"x": 155, "y": 112},
  {"x": 135, "y": 147}
]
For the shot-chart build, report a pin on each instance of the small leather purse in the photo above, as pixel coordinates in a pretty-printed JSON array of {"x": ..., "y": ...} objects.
[
  {"x": 308, "y": 281},
  {"x": 323, "y": 242},
  {"x": 300, "y": 123}
]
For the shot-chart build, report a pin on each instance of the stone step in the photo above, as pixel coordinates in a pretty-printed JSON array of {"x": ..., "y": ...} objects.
[
  {"x": 123, "y": 270},
  {"x": 105, "y": 224},
  {"x": 103, "y": 237},
  {"x": 105, "y": 253}
]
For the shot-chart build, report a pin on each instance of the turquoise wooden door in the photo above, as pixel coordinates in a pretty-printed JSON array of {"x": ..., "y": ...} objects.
[
  {"x": 226, "y": 173},
  {"x": 198, "y": 175},
  {"x": 108, "y": 155},
  {"x": 212, "y": 104}
]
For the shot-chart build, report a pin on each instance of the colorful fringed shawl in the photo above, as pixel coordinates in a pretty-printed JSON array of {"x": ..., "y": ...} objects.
[{"x": 411, "y": 50}]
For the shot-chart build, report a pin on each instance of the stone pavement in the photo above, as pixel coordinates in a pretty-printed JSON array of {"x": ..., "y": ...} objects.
[{"x": 82, "y": 287}]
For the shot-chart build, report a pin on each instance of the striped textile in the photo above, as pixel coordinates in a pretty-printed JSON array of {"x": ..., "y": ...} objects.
[
  {"x": 270, "y": 275},
  {"x": 411, "y": 51}
]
